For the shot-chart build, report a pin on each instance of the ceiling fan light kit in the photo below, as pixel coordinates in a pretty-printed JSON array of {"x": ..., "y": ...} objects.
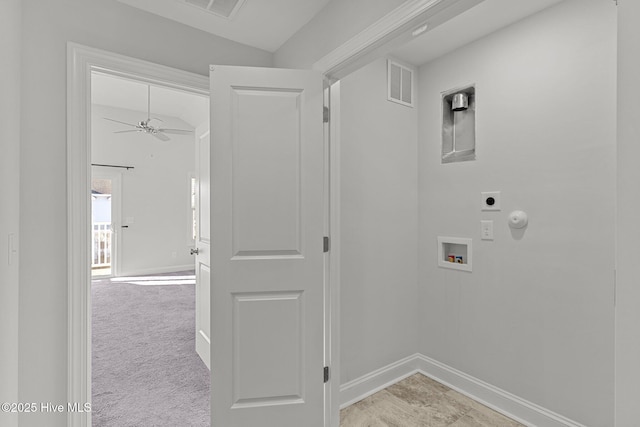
[{"x": 144, "y": 126}]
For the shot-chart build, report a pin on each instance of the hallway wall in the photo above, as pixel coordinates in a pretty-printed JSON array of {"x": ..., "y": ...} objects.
[
  {"x": 10, "y": 70},
  {"x": 535, "y": 317},
  {"x": 47, "y": 27},
  {"x": 378, "y": 221}
]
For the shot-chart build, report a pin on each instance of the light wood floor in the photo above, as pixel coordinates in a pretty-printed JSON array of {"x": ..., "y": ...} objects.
[{"x": 419, "y": 401}]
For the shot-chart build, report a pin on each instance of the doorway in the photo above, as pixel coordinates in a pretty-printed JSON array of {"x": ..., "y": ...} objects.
[
  {"x": 82, "y": 62},
  {"x": 105, "y": 214},
  {"x": 84, "y": 59},
  {"x": 143, "y": 312}
]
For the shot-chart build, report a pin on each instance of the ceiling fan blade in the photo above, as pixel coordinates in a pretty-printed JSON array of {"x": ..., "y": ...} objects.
[
  {"x": 125, "y": 131},
  {"x": 118, "y": 121},
  {"x": 161, "y": 136},
  {"x": 176, "y": 131}
]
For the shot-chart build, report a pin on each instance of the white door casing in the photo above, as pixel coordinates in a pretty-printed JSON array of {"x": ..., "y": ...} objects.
[
  {"x": 267, "y": 311},
  {"x": 82, "y": 60},
  {"x": 203, "y": 244}
]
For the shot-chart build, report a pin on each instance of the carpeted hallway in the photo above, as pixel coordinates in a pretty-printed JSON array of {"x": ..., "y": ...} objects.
[{"x": 145, "y": 371}]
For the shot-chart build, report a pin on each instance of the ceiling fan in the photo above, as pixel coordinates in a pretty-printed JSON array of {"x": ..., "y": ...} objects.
[{"x": 146, "y": 127}]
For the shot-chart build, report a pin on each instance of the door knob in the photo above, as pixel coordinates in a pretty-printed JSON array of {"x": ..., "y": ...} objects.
[{"x": 195, "y": 251}]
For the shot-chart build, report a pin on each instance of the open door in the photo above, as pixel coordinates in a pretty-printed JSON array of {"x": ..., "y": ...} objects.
[
  {"x": 202, "y": 249},
  {"x": 267, "y": 181}
]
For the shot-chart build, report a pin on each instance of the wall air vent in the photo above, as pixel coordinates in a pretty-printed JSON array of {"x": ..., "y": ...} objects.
[
  {"x": 399, "y": 83},
  {"x": 224, "y": 8}
]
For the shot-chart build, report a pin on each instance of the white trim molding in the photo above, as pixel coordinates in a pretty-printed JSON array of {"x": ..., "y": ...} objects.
[
  {"x": 392, "y": 30},
  {"x": 360, "y": 388},
  {"x": 334, "y": 253},
  {"x": 502, "y": 401},
  {"x": 81, "y": 62}
]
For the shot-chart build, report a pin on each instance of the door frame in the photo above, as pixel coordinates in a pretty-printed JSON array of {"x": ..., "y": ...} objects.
[
  {"x": 116, "y": 215},
  {"x": 81, "y": 62}
]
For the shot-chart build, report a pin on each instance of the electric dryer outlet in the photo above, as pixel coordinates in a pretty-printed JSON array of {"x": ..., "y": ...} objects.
[{"x": 490, "y": 201}]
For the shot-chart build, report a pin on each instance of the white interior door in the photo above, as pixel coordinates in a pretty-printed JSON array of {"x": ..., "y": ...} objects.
[
  {"x": 267, "y": 182},
  {"x": 202, "y": 250}
]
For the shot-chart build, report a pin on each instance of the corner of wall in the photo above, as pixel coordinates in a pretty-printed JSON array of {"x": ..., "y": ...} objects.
[
  {"x": 379, "y": 264},
  {"x": 484, "y": 393}
]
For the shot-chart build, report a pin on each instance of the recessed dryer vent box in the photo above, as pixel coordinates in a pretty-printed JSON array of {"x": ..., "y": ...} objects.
[
  {"x": 455, "y": 253},
  {"x": 459, "y": 124}
]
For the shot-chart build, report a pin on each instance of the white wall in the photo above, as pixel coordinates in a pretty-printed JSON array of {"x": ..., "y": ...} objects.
[
  {"x": 47, "y": 27},
  {"x": 628, "y": 232},
  {"x": 379, "y": 224},
  {"x": 10, "y": 29},
  {"x": 535, "y": 317},
  {"x": 332, "y": 26},
  {"x": 156, "y": 194}
]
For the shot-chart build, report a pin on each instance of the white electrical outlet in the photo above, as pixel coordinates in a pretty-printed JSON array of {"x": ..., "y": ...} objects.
[
  {"x": 486, "y": 230},
  {"x": 490, "y": 201}
]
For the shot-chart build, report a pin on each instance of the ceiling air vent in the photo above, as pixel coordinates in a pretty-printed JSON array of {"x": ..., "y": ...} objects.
[
  {"x": 225, "y": 8},
  {"x": 400, "y": 83}
]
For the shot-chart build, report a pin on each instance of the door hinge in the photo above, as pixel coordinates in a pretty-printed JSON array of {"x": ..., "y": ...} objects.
[
  {"x": 326, "y": 374},
  {"x": 325, "y": 244},
  {"x": 325, "y": 114}
]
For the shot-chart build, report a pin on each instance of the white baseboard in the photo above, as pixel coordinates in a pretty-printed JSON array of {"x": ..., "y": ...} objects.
[
  {"x": 368, "y": 384},
  {"x": 514, "y": 407},
  {"x": 158, "y": 270}
]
